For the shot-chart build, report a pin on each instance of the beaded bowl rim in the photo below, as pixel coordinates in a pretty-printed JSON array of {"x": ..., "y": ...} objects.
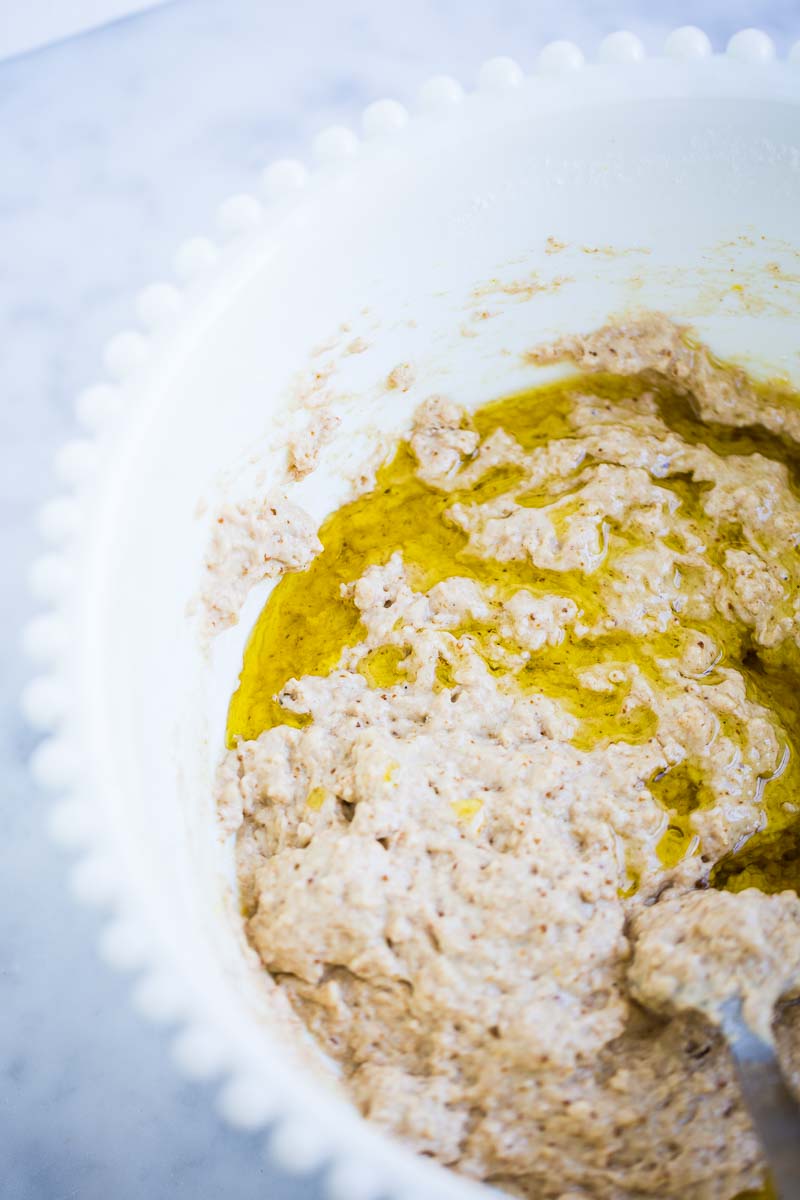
[{"x": 358, "y": 1163}]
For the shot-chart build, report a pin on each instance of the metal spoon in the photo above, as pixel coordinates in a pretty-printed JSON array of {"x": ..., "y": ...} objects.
[{"x": 774, "y": 1111}]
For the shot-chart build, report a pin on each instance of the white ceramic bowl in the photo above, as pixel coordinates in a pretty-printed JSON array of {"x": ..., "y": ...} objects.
[{"x": 671, "y": 182}]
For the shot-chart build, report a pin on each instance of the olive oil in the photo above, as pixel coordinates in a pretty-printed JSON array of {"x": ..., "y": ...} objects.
[
  {"x": 309, "y": 620},
  {"x": 766, "y": 1192}
]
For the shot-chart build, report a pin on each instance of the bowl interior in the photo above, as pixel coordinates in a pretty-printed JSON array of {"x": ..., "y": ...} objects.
[{"x": 452, "y": 247}]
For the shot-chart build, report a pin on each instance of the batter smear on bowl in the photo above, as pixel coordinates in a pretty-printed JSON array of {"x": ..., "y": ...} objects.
[{"x": 537, "y": 685}]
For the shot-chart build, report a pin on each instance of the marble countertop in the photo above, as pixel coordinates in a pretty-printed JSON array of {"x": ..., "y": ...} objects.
[{"x": 115, "y": 146}]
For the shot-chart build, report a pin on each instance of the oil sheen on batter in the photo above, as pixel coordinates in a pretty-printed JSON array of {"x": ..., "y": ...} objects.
[{"x": 542, "y": 675}]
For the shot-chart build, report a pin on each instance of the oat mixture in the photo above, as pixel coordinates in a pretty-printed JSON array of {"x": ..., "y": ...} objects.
[
  {"x": 693, "y": 952},
  {"x": 510, "y": 747}
]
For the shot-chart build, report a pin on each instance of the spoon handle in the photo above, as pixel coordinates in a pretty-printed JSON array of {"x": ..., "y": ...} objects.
[{"x": 774, "y": 1111}]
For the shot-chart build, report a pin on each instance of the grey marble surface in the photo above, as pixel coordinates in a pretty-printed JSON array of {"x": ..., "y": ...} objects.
[{"x": 113, "y": 147}]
